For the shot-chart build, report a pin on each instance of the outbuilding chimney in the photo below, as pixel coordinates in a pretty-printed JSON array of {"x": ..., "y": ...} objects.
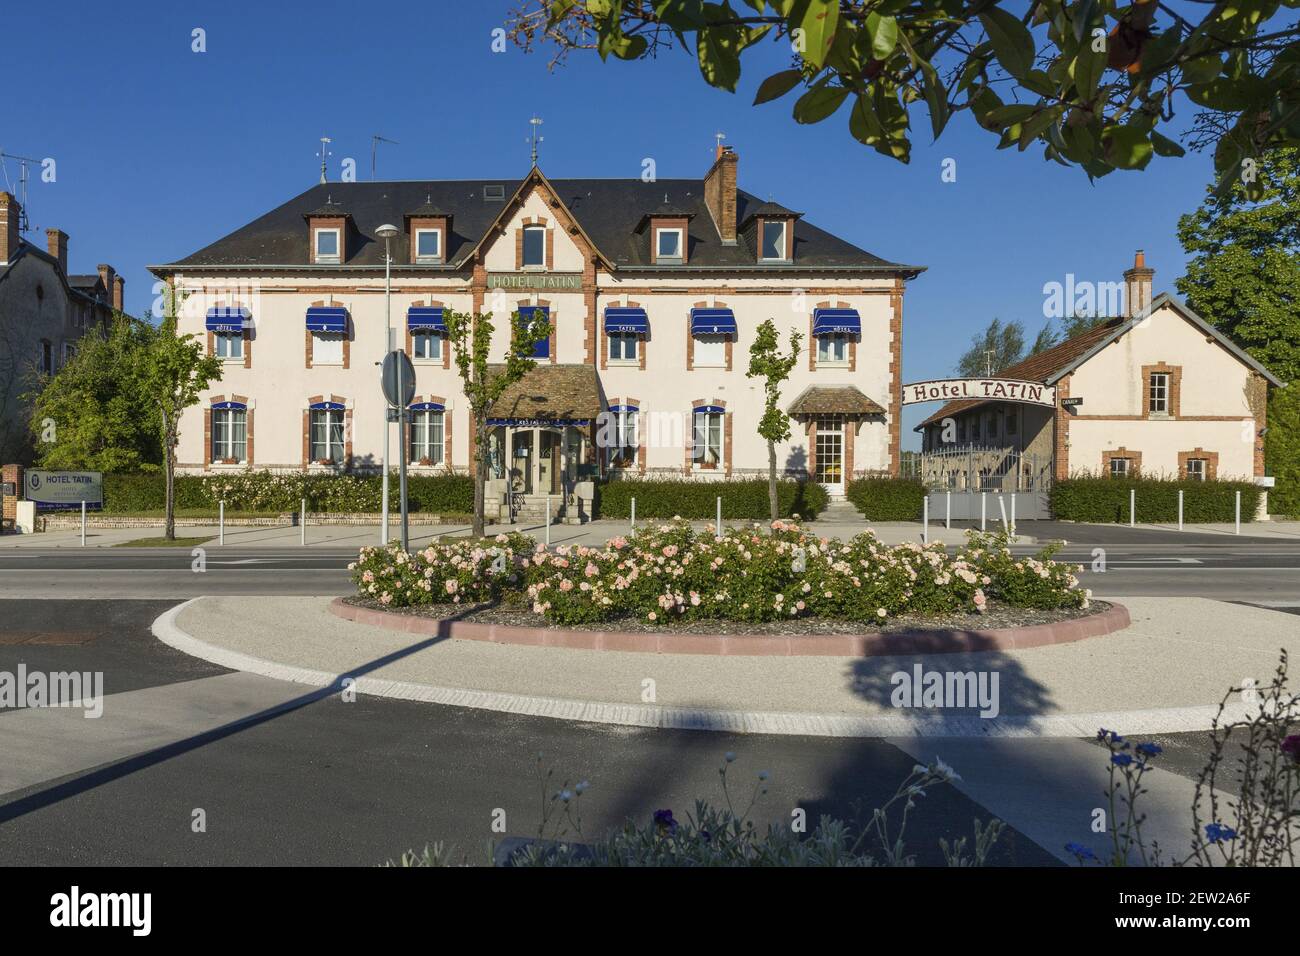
[
  {"x": 119, "y": 292},
  {"x": 1137, "y": 286},
  {"x": 106, "y": 275},
  {"x": 57, "y": 243},
  {"x": 10, "y": 212},
  {"x": 720, "y": 193}
]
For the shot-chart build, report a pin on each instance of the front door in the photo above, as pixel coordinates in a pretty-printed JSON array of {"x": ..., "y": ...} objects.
[
  {"x": 829, "y": 467},
  {"x": 548, "y": 463}
]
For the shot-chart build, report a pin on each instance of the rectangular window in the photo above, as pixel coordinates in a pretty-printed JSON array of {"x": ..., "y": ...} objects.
[
  {"x": 668, "y": 244},
  {"x": 1158, "y": 394},
  {"x": 230, "y": 345},
  {"x": 710, "y": 351},
  {"x": 623, "y": 346},
  {"x": 229, "y": 434},
  {"x": 426, "y": 436},
  {"x": 1119, "y": 467},
  {"x": 326, "y": 348},
  {"x": 327, "y": 245},
  {"x": 69, "y": 352},
  {"x": 622, "y": 454},
  {"x": 327, "y": 435},
  {"x": 47, "y": 358},
  {"x": 535, "y": 246},
  {"x": 1196, "y": 469},
  {"x": 833, "y": 349},
  {"x": 428, "y": 245},
  {"x": 426, "y": 345},
  {"x": 707, "y": 449},
  {"x": 541, "y": 348},
  {"x": 773, "y": 246}
]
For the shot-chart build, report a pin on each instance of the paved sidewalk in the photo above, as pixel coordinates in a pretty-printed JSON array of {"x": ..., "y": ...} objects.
[
  {"x": 1166, "y": 673},
  {"x": 338, "y": 536}
]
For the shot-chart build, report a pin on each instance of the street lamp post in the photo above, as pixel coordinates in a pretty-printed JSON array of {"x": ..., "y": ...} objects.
[{"x": 386, "y": 232}]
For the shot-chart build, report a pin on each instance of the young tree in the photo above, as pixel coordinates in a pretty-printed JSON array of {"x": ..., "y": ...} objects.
[
  {"x": 1244, "y": 278},
  {"x": 88, "y": 415},
  {"x": 1092, "y": 82},
  {"x": 470, "y": 336},
  {"x": 174, "y": 372},
  {"x": 997, "y": 347},
  {"x": 768, "y": 363}
]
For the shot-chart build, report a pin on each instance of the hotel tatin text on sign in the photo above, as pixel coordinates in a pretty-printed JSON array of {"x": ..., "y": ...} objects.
[{"x": 980, "y": 389}]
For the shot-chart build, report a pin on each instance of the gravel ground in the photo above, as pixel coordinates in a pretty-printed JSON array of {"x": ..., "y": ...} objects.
[{"x": 997, "y": 616}]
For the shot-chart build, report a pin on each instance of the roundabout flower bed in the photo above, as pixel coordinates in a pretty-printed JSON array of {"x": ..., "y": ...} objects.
[{"x": 668, "y": 576}]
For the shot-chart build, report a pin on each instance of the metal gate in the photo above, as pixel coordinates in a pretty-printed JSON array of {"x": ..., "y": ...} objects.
[{"x": 973, "y": 477}]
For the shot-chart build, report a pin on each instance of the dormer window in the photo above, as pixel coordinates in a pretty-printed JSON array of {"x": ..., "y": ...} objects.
[
  {"x": 428, "y": 245},
  {"x": 668, "y": 244},
  {"x": 773, "y": 241},
  {"x": 327, "y": 245},
  {"x": 534, "y": 247}
]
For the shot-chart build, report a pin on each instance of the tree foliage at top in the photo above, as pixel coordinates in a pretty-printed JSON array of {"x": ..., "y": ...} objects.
[
  {"x": 1001, "y": 345},
  {"x": 1096, "y": 83}
]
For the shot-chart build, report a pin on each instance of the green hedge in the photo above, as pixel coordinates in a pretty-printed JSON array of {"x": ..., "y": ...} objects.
[
  {"x": 741, "y": 498},
  {"x": 1107, "y": 499},
  {"x": 887, "y": 499},
  {"x": 261, "y": 491}
]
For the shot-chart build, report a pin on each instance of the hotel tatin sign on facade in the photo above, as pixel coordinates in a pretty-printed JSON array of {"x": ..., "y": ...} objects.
[
  {"x": 534, "y": 280},
  {"x": 980, "y": 389}
]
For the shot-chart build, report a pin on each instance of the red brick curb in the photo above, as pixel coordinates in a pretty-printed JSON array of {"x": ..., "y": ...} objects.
[{"x": 770, "y": 645}]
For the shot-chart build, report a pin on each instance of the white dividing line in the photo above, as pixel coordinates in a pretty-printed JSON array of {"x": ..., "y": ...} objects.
[{"x": 1155, "y": 721}]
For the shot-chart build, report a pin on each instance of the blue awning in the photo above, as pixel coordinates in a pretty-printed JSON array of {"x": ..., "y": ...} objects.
[
  {"x": 224, "y": 318},
  {"x": 221, "y": 406},
  {"x": 425, "y": 318},
  {"x": 713, "y": 322},
  {"x": 708, "y": 410},
  {"x": 626, "y": 319},
  {"x": 427, "y": 407},
  {"x": 830, "y": 321},
  {"x": 327, "y": 318},
  {"x": 326, "y": 407},
  {"x": 623, "y": 408}
]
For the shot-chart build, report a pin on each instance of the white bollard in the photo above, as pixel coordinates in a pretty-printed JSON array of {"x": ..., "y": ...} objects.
[
  {"x": 1013, "y": 513},
  {"x": 1238, "y": 531},
  {"x": 548, "y": 521},
  {"x": 982, "y": 511},
  {"x": 947, "y": 510},
  {"x": 1002, "y": 510},
  {"x": 1180, "y": 509},
  {"x": 717, "y": 526},
  {"x": 302, "y": 521},
  {"x": 1132, "y": 507},
  {"x": 925, "y": 518},
  {"x": 221, "y": 522},
  {"x": 634, "y": 512},
  {"x": 83, "y": 524}
]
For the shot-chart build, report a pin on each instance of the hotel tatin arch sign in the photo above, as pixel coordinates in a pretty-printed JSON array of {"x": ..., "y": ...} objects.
[{"x": 980, "y": 389}]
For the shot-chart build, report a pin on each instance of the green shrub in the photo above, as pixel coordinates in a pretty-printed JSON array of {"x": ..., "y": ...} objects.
[
  {"x": 261, "y": 491},
  {"x": 887, "y": 499},
  {"x": 1102, "y": 499},
  {"x": 680, "y": 497}
]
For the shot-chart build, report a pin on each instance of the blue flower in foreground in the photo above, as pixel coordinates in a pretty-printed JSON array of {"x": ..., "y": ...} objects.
[
  {"x": 1080, "y": 851},
  {"x": 1149, "y": 750},
  {"x": 1104, "y": 734},
  {"x": 1217, "y": 832},
  {"x": 664, "y": 820},
  {"x": 1121, "y": 760}
]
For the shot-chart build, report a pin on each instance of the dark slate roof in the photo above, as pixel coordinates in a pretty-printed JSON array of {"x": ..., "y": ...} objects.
[
  {"x": 84, "y": 281},
  {"x": 608, "y": 210},
  {"x": 769, "y": 208},
  {"x": 557, "y": 392},
  {"x": 834, "y": 400}
]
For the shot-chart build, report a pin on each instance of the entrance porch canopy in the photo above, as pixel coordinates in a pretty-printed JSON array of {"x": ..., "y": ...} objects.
[{"x": 548, "y": 395}]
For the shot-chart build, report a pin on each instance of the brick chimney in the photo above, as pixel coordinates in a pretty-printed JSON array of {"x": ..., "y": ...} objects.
[
  {"x": 720, "y": 193},
  {"x": 1137, "y": 286},
  {"x": 106, "y": 275},
  {"x": 56, "y": 241},
  {"x": 10, "y": 212},
  {"x": 119, "y": 292}
]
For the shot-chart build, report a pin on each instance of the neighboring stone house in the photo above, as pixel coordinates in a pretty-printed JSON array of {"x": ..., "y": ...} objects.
[
  {"x": 1159, "y": 392},
  {"x": 653, "y": 291},
  {"x": 44, "y": 311}
]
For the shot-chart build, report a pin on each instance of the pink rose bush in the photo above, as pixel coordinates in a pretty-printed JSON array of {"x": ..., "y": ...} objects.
[{"x": 668, "y": 573}]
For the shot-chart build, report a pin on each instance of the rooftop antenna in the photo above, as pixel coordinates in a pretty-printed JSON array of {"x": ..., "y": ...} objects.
[
  {"x": 374, "y": 148},
  {"x": 719, "y": 136},
  {"x": 24, "y": 224},
  {"x": 535, "y": 138},
  {"x": 988, "y": 363},
  {"x": 325, "y": 154}
]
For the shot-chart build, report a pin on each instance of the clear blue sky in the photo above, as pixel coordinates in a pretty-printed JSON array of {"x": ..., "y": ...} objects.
[{"x": 161, "y": 150}]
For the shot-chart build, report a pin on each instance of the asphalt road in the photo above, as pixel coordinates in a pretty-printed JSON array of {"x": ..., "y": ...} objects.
[{"x": 323, "y": 781}]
